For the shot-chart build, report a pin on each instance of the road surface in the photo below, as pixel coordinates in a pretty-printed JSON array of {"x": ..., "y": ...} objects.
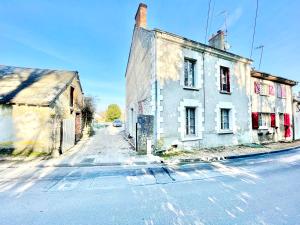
[{"x": 257, "y": 190}]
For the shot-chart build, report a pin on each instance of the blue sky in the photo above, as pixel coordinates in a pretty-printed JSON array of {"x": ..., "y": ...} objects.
[{"x": 93, "y": 37}]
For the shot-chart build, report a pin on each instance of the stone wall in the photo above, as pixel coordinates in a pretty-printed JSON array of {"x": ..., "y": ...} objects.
[
  {"x": 205, "y": 97},
  {"x": 37, "y": 128}
]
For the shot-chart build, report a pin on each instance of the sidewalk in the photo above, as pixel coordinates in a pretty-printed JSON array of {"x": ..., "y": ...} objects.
[{"x": 220, "y": 153}]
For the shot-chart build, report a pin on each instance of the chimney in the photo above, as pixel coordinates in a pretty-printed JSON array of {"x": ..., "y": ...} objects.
[
  {"x": 218, "y": 40},
  {"x": 141, "y": 16}
]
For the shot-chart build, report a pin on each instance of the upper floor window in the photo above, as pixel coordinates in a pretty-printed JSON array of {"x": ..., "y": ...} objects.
[
  {"x": 264, "y": 89},
  {"x": 189, "y": 72},
  {"x": 281, "y": 91},
  {"x": 225, "y": 119},
  {"x": 71, "y": 96},
  {"x": 190, "y": 124},
  {"x": 224, "y": 79}
]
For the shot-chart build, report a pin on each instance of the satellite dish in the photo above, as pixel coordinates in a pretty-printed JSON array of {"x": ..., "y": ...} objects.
[{"x": 227, "y": 46}]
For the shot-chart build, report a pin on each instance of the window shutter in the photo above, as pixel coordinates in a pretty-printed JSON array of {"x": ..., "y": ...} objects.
[
  {"x": 256, "y": 87},
  {"x": 271, "y": 90},
  {"x": 228, "y": 81},
  {"x": 255, "y": 116},
  {"x": 273, "y": 119},
  {"x": 287, "y": 121}
]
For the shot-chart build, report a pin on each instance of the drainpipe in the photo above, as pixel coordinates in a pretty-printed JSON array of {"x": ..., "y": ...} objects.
[
  {"x": 204, "y": 97},
  {"x": 293, "y": 118},
  {"x": 155, "y": 90}
]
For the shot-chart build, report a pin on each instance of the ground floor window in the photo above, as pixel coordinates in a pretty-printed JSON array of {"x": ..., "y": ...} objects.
[
  {"x": 264, "y": 120},
  {"x": 190, "y": 121},
  {"x": 225, "y": 119}
]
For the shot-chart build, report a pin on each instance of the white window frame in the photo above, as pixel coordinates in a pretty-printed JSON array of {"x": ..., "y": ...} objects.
[
  {"x": 190, "y": 62},
  {"x": 223, "y": 118},
  {"x": 232, "y": 118},
  {"x": 188, "y": 116},
  {"x": 199, "y": 120},
  {"x": 227, "y": 79}
]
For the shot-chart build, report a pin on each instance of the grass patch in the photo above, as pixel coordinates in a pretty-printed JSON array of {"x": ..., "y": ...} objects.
[{"x": 174, "y": 153}]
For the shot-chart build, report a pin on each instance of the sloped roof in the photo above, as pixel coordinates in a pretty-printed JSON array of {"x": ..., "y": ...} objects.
[
  {"x": 32, "y": 86},
  {"x": 268, "y": 76}
]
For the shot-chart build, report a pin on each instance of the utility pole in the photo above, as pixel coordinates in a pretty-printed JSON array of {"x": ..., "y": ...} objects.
[{"x": 261, "y": 47}]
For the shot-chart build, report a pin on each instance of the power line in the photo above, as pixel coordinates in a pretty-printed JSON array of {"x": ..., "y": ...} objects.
[
  {"x": 254, "y": 28},
  {"x": 207, "y": 21}
]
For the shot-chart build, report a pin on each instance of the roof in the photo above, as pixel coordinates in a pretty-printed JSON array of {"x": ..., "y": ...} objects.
[
  {"x": 267, "y": 76},
  {"x": 204, "y": 46},
  {"x": 32, "y": 86}
]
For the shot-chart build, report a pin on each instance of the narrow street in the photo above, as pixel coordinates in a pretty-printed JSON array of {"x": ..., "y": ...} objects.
[{"x": 257, "y": 190}]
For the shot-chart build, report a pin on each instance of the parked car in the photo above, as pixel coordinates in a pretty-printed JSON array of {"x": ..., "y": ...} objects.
[{"x": 117, "y": 123}]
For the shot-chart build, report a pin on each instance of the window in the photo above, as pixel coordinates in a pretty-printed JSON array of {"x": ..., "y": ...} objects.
[
  {"x": 264, "y": 120},
  {"x": 224, "y": 79},
  {"x": 225, "y": 119},
  {"x": 264, "y": 89},
  {"x": 189, "y": 72},
  {"x": 71, "y": 96},
  {"x": 281, "y": 91},
  {"x": 190, "y": 121}
]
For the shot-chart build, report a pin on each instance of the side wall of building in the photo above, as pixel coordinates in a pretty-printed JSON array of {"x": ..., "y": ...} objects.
[
  {"x": 205, "y": 97},
  {"x": 140, "y": 78}
]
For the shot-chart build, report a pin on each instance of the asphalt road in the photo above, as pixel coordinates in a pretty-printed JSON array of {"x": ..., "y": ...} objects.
[{"x": 258, "y": 190}]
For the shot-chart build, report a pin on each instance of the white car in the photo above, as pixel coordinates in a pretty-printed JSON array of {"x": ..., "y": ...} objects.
[{"x": 117, "y": 123}]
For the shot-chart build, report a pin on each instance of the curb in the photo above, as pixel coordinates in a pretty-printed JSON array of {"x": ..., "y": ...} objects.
[
  {"x": 261, "y": 153},
  {"x": 219, "y": 158}
]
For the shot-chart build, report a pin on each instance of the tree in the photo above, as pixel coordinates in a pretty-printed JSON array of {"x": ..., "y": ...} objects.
[
  {"x": 88, "y": 110},
  {"x": 113, "y": 112}
]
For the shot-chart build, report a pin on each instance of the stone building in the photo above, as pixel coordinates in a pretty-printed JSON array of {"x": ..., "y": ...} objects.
[
  {"x": 198, "y": 95},
  {"x": 272, "y": 107},
  {"x": 40, "y": 109}
]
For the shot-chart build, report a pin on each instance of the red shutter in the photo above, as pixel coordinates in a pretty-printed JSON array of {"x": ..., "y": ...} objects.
[
  {"x": 273, "y": 120},
  {"x": 255, "y": 116},
  {"x": 228, "y": 81},
  {"x": 287, "y": 121},
  {"x": 256, "y": 87},
  {"x": 271, "y": 90},
  {"x": 287, "y": 124}
]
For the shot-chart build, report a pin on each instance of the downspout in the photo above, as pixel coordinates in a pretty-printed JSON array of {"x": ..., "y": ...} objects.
[
  {"x": 204, "y": 97},
  {"x": 155, "y": 90},
  {"x": 293, "y": 117}
]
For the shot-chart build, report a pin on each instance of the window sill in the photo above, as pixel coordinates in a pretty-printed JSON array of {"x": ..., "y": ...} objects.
[
  {"x": 263, "y": 128},
  {"x": 191, "y": 88},
  {"x": 191, "y": 138},
  {"x": 225, "y": 92},
  {"x": 225, "y": 132}
]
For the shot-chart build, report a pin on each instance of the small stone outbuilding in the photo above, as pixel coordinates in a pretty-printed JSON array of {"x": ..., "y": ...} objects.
[{"x": 40, "y": 109}]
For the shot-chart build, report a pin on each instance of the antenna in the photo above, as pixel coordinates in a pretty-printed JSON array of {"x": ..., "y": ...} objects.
[
  {"x": 225, "y": 13},
  {"x": 261, "y": 47},
  {"x": 207, "y": 21}
]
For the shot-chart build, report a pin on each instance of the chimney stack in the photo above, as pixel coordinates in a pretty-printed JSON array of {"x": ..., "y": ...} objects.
[
  {"x": 141, "y": 16},
  {"x": 218, "y": 40}
]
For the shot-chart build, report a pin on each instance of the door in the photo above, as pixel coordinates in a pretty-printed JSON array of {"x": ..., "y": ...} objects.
[{"x": 67, "y": 134}]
